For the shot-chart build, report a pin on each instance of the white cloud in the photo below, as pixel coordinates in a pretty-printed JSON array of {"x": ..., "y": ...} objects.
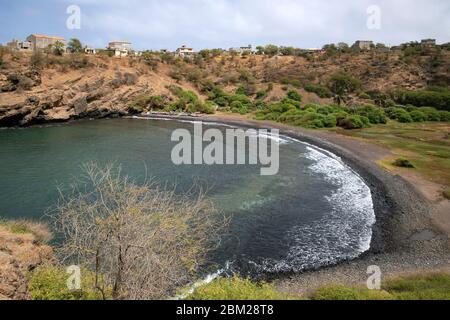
[{"x": 225, "y": 23}]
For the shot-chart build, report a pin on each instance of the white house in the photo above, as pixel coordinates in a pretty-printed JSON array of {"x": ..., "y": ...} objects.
[
  {"x": 20, "y": 45},
  {"x": 185, "y": 52},
  {"x": 243, "y": 50},
  {"x": 88, "y": 50},
  {"x": 120, "y": 48}
]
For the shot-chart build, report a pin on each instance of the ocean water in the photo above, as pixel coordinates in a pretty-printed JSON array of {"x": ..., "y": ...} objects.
[{"x": 315, "y": 211}]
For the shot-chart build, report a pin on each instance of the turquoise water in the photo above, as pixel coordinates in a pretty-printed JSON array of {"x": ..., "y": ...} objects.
[{"x": 316, "y": 211}]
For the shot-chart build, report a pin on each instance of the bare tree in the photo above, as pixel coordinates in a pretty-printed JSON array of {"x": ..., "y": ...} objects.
[{"x": 141, "y": 241}]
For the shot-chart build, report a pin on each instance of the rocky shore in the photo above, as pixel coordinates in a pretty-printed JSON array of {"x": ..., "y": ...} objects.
[{"x": 406, "y": 238}]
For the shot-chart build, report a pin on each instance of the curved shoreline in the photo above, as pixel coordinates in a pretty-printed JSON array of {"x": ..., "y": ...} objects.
[
  {"x": 402, "y": 212},
  {"x": 380, "y": 240}
]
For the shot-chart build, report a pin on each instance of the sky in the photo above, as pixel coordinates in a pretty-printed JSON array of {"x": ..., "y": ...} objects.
[{"x": 158, "y": 24}]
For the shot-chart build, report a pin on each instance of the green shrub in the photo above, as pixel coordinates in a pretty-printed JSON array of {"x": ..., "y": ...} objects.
[
  {"x": 374, "y": 114},
  {"x": 343, "y": 84},
  {"x": 246, "y": 90},
  {"x": 431, "y": 113},
  {"x": 329, "y": 121},
  {"x": 294, "y": 95},
  {"x": 340, "y": 115},
  {"x": 340, "y": 292},
  {"x": 437, "y": 99},
  {"x": 321, "y": 91},
  {"x": 445, "y": 115},
  {"x": 418, "y": 116},
  {"x": 207, "y": 107},
  {"x": 354, "y": 122},
  {"x": 403, "y": 163},
  {"x": 327, "y": 109},
  {"x": 50, "y": 283},
  {"x": 364, "y": 96},
  {"x": 236, "y": 289},
  {"x": 399, "y": 114},
  {"x": 238, "y": 107},
  {"x": 261, "y": 95}
]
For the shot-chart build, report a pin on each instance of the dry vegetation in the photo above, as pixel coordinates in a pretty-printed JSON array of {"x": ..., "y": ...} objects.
[{"x": 140, "y": 241}]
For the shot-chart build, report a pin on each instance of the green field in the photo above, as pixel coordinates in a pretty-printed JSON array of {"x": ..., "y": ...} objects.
[{"x": 426, "y": 145}]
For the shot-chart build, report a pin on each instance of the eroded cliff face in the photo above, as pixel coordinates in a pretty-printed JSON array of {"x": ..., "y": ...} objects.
[
  {"x": 50, "y": 88},
  {"x": 102, "y": 87},
  {"x": 22, "y": 249}
]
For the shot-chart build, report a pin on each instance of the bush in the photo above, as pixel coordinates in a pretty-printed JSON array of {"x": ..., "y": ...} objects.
[
  {"x": 50, "y": 283},
  {"x": 139, "y": 103},
  {"x": 294, "y": 95},
  {"x": 321, "y": 91},
  {"x": 325, "y": 110},
  {"x": 399, "y": 114},
  {"x": 374, "y": 114},
  {"x": 445, "y": 115},
  {"x": 261, "y": 95},
  {"x": 236, "y": 289},
  {"x": 364, "y": 96},
  {"x": 342, "y": 84},
  {"x": 354, "y": 122},
  {"x": 37, "y": 59},
  {"x": 418, "y": 116},
  {"x": 403, "y": 163},
  {"x": 437, "y": 99},
  {"x": 431, "y": 113},
  {"x": 238, "y": 107},
  {"x": 329, "y": 121}
]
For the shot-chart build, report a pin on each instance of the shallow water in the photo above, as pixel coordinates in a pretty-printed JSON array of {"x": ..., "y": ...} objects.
[{"x": 316, "y": 211}]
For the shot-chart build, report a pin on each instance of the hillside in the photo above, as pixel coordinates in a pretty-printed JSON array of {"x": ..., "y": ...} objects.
[{"x": 43, "y": 88}]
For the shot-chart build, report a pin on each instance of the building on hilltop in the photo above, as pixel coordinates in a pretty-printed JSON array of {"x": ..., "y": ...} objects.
[
  {"x": 89, "y": 50},
  {"x": 243, "y": 50},
  {"x": 41, "y": 41},
  {"x": 363, "y": 45},
  {"x": 185, "y": 52},
  {"x": 428, "y": 43},
  {"x": 120, "y": 48},
  {"x": 20, "y": 45}
]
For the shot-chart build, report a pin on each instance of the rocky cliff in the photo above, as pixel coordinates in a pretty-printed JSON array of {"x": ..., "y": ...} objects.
[
  {"x": 22, "y": 249},
  {"x": 44, "y": 88}
]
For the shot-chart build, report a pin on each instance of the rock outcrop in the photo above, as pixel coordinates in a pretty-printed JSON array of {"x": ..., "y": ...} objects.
[{"x": 21, "y": 251}]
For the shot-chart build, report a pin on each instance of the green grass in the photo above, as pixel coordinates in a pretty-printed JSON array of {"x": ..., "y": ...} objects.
[
  {"x": 340, "y": 292},
  {"x": 50, "y": 283},
  {"x": 237, "y": 289},
  {"x": 433, "y": 286},
  {"x": 426, "y": 145},
  {"x": 16, "y": 227}
]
